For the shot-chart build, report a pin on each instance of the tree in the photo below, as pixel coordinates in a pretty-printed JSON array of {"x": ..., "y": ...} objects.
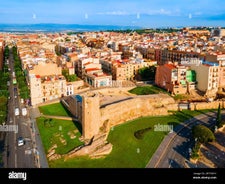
[
  {"x": 3, "y": 103},
  {"x": 6, "y": 52},
  {"x": 65, "y": 72},
  {"x": 195, "y": 150},
  {"x": 71, "y": 78},
  {"x": 19, "y": 73},
  {"x": 147, "y": 73},
  {"x": 202, "y": 134}
]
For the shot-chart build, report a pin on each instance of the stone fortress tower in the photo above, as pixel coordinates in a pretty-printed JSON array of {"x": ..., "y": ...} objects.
[
  {"x": 99, "y": 111},
  {"x": 90, "y": 115}
]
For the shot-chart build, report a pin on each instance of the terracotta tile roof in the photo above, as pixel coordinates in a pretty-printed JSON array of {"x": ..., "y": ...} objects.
[
  {"x": 91, "y": 69},
  {"x": 170, "y": 66}
]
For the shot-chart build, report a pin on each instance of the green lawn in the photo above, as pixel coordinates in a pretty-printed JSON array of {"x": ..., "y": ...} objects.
[
  {"x": 128, "y": 151},
  {"x": 56, "y": 109},
  {"x": 146, "y": 90},
  {"x": 58, "y": 131},
  {"x": 181, "y": 97}
]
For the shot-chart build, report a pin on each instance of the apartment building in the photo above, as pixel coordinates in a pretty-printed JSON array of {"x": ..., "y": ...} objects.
[
  {"x": 207, "y": 75},
  {"x": 86, "y": 63},
  {"x": 176, "y": 79},
  {"x": 97, "y": 78},
  {"x": 176, "y": 56},
  {"x": 44, "y": 69},
  {"x": 36, "y": 94},
  {"x": 218, "y": 58},
  {"x": 44, "y": 88},
  {"x": 128, "y": 69},
  {"x": 147, "y": 52}
]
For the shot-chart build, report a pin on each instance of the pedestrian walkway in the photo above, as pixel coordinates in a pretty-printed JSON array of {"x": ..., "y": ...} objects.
[
  {"x": 40, "y": 152},
  {"x": 60, "y": 117}
]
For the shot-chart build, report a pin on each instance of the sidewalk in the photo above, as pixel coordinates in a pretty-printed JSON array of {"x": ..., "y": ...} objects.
[{"x": 41, "y": 155}]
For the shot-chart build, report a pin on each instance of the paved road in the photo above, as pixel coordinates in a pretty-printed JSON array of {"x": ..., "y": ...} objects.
[
  {"x": 17, "y": 156},
  {"x": 173, "y": 152}
]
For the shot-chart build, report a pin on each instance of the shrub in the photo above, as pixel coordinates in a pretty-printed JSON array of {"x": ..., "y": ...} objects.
[{"x": 140, "y": 133}]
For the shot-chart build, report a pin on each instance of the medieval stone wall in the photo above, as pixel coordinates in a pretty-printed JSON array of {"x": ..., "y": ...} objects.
[
  {"x": 149, "y": 105},
  {"x": 205, "y": 105}
]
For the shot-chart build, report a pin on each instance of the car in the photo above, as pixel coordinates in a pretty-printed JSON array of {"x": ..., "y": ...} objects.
[
  {"x": 24, "y": 111},
  {"x": 20, "y": 141},
  {"x": 17, "y": 112}
]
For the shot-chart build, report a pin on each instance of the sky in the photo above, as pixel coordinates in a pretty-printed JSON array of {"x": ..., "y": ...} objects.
[{"x": 144, "y": 13}]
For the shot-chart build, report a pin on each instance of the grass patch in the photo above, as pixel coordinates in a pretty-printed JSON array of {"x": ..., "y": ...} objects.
[
  {"x": 128, "y": 151},
  {"x": 59, "y": 132},
  {"x": 147, "y": 90},
  {"x": 181, "y": 97},
  {"x": 54, "y": 109}
]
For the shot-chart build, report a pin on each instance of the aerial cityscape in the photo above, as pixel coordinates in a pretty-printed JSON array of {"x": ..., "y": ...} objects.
[{"x": 116, "y": 84}]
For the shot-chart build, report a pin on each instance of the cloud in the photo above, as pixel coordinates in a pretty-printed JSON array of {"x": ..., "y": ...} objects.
[
  {"x": 86, "y": 16},
  {"x": 34, "y": 16},
  {"x": 160, "y": 12},
  {"x": 164, "y": 12},
  {"x": 190, "y": 16},
  {"x": 114, "y": 13}
]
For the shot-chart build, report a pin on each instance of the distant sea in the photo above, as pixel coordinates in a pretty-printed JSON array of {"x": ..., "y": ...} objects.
[{"x": 31, "y": 28}]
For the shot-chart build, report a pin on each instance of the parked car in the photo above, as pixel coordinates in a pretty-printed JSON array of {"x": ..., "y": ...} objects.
[
  {"x": 17, "y": 112},
  {"x": 20, "y": 141},
  {"x": 24, "y": 111}
]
